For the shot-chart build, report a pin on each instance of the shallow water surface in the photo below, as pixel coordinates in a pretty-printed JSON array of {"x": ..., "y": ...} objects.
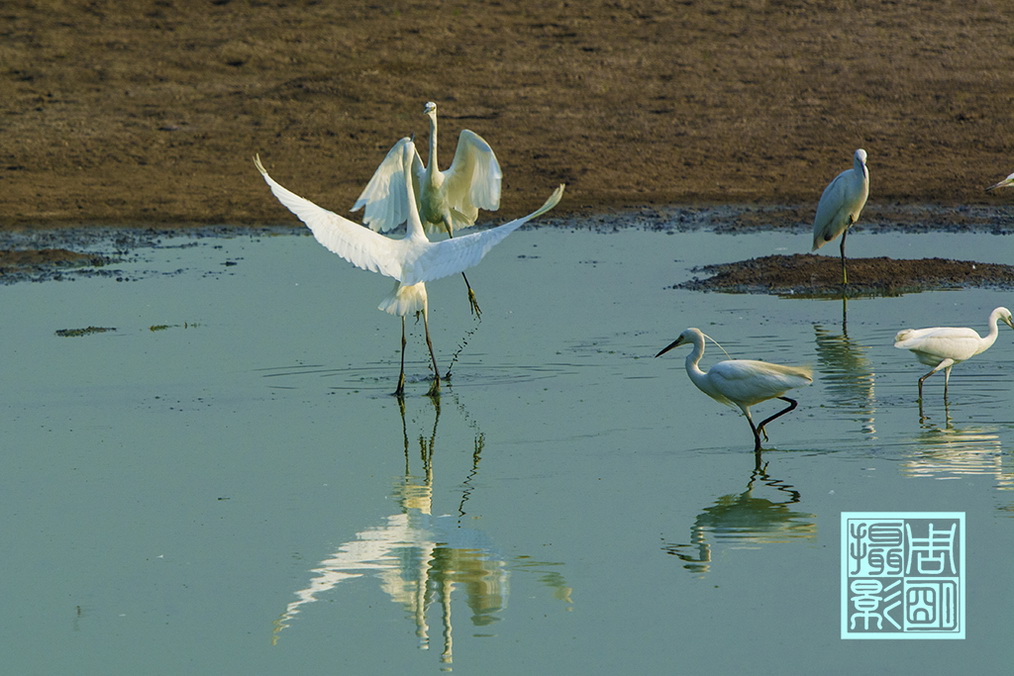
[{"x": 223, "y": 484}]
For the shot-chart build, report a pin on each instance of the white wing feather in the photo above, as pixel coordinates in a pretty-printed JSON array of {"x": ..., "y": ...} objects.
[
  {"x": 451, "y": 256},
  {"x": 752, "y": 382},
  {"x": 474, "y": 177},
  {"x": 358, "y": 245},
  {"x": 385, "y": 200}
]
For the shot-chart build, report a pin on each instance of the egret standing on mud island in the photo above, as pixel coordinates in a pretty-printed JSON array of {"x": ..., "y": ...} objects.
[
  {"x": 411, "y": 260},
  {"x": 944, "y": 346},
  {"x": 447, "y": 200},
  {"x": 840, "y": 205},
  {"x": 741, "y": 382}
]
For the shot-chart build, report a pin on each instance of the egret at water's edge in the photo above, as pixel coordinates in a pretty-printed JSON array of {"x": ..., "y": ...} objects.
[
  {"x": 741, "y": 382},
  {"x": 411, "y": 260},
  {"x": 1005, "y": 183},
  {"x": 447, "y": 200},
  {"x": 840, "y": 205},
  {"x": 944, "y": 346}
]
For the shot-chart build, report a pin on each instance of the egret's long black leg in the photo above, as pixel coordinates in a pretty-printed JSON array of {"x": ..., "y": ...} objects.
[
  {"x": 435, "y": 387},
  {"x": 792, "y": 405},
  {"x": 472, "y": 302},
  {"x": 400, "y": 392},
  {"x": 844, "y": 272}
]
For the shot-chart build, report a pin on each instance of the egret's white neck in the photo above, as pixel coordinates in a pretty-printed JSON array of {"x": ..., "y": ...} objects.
[
  {"x": 432, "y": 166},
  {"x": 994, "y": 331},
  {"x": 414, "y": 227},
  {"x": 693, "y": 370}
]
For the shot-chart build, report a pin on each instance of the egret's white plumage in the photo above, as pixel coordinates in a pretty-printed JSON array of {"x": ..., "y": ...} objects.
[
  {"x": 447, "y": 200},
  {"x": 840, "y": 205},
  {"x": 741, "y": 382},
  {"x": 1005, "y": 183},
  {"x": 944, "y": 346},
  {"x": 411, "y": 260}
]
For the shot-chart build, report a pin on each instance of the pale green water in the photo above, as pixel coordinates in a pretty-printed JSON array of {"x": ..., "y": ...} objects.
[{"x": 238, "y": 494}]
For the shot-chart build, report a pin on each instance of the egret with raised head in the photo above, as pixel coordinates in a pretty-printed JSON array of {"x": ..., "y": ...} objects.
[
  {"x": 447, "y": 200},
  {"x": 944, "y": 346},
  {"x": 840, "y": 205},
  {"x": 411, "y": 260},
  {"x": 741, "y": 382}
]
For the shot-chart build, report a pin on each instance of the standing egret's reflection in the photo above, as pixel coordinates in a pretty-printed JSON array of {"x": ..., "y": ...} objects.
[
  {"x": 421, "y": 559},
  {"x": 949, "y": 452},
  {"x": 848, "y": 375},
  {"x": 741, "y": 519}
]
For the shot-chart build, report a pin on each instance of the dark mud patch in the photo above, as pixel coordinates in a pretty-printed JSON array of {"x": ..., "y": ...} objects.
[
  {"x": 87, "y": 331},
  {"x": 67, "y": 253},
  {"x": 811, "y": 275},
  {"x": 16, "y": 265}
]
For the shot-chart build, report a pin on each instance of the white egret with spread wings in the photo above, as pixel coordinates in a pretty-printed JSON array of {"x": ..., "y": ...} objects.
[{"x": 411, "y": 260}]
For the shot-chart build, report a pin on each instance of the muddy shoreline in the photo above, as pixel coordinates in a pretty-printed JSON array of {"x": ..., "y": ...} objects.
[{"x": 37, "y": 255}]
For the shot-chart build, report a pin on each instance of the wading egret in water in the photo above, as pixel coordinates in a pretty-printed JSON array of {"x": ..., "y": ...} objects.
[
  {"x": 944, "y": 346},
  {"x": 447, "y": 200},
  {"x": 411, "y": 260},
  {"x": 840, "y": 206},
  {"x": 741, "y": 382},
  {"x": 1005, "y": 183}
]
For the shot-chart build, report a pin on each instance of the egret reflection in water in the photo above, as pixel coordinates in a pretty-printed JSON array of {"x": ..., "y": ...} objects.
[
  {"x": 848, "y": 375},
  {"x": 949, "y": 452},
  {"x": 421, "y": 560},
  {"x": 746, "y": 519}
]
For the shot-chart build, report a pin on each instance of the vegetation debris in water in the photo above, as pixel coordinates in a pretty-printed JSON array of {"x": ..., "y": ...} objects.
[{"x": 75, "y": 333}]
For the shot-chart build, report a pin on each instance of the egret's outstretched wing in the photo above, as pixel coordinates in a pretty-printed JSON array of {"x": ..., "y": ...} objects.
[
  {"x": 384, "y": 198},
  {"x": 474, "y": 177},
  {"x": 451, "y": 256},
  {"x": 358, "y": 245}
]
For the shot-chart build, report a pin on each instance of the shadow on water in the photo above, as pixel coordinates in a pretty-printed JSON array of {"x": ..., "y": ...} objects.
[
  {"x": 420, "y": 559},
  {"x": 746, "y": 518}
]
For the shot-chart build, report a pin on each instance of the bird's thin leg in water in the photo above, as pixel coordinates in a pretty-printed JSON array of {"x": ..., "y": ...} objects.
[
  {"x": 792, "y": 405},
  {"x": 400, "y": 392},
  {"x": 844, "y": 272},
  {"x": 435, "y": 387},
  {"x": 947, "y": 380},
  {"x": 472, "y": 302},
  {"x": 753, "y": 428}
]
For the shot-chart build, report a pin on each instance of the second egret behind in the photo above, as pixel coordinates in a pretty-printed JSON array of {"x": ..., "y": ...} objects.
[
  {"x": 447, "y": 200},
  {"x": 741, "y": 382},
  {"x": 944, "y": 346},
  {"x": 840, "y": 205}
]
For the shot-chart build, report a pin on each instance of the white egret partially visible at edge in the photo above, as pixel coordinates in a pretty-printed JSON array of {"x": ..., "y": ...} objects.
[
  {"x": 741, "y": 382},
  {"x": 1005, "y": 183},
  {"x": 448, "y": 200},
  {"x": 840, "y": 205},
  {"x": 411, "y": 260},
  {"x": 944, "y": 346}
]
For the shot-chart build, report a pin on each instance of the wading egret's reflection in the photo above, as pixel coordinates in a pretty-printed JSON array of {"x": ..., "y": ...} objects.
[
  {"x": 847, "y": 373},
  {"x": 420, "y": 559},
  {"x": 746, "y": 519}
]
